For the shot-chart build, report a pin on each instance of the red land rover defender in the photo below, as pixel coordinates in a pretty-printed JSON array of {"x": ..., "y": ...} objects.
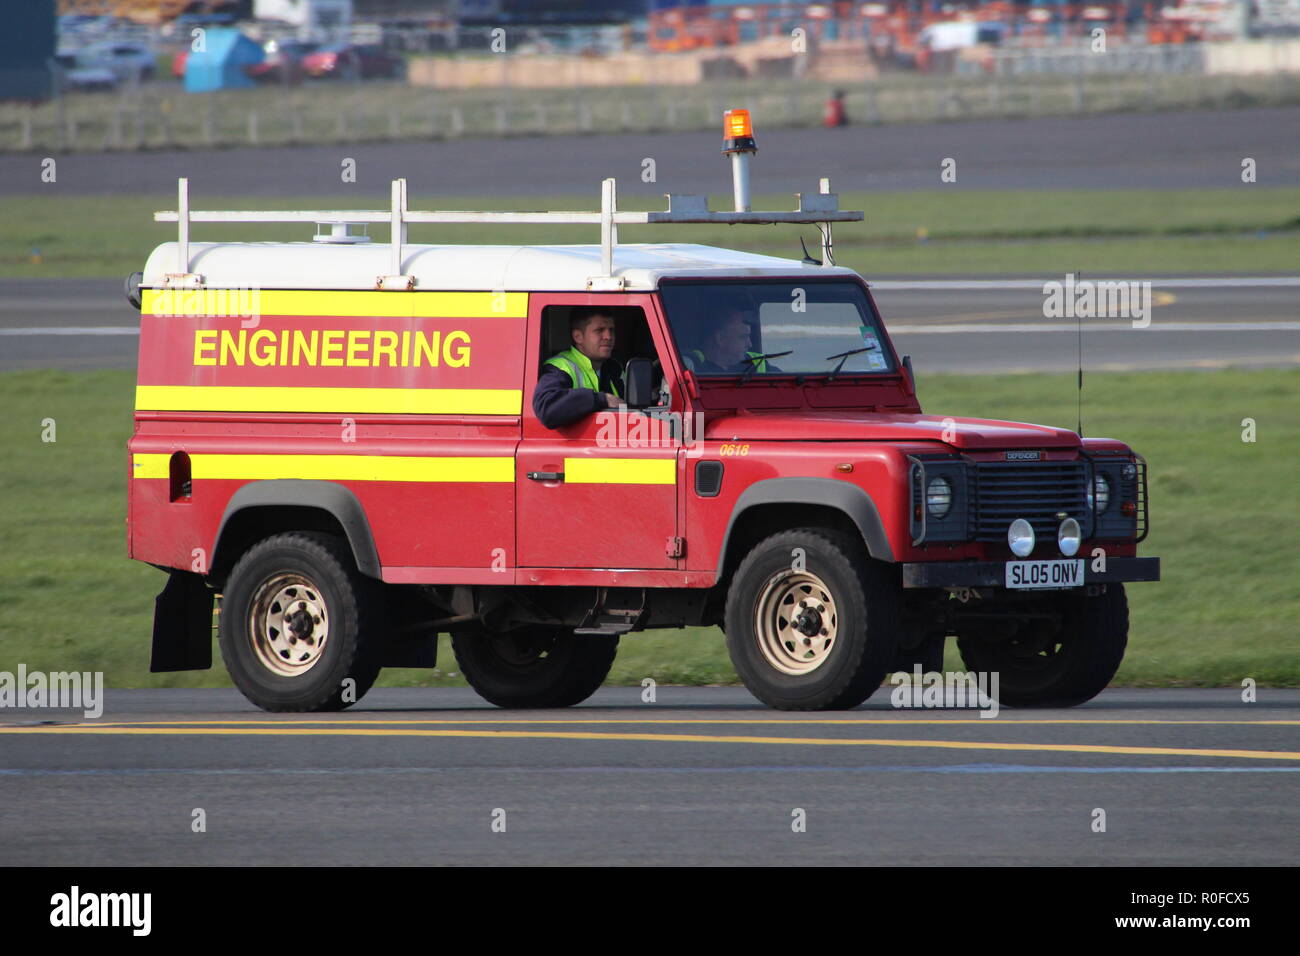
[{"x": 338, "y": 438}]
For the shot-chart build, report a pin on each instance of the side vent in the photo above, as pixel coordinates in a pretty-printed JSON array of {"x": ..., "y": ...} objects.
[
  {"x": 181, "y": 486},
  {"x": 708, "y": 478}
]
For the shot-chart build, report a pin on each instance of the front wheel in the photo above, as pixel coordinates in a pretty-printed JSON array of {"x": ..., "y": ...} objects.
[
  {"x": 534, "y": 666},
  {"x": 811, "y": 621},
  {"x": 1054, "y": 660},
  {"x": 300, "y": 626}
]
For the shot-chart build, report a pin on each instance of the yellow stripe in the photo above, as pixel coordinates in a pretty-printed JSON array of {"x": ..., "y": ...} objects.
[
  {"x": 150, "y": 466},
  {"x": 1000, "y": 723},
  {"x": 333, "y": 467},
  {"x": 394, "y": 401},
  {"x": 620, "y": 471},
  {"x": 290, "y": 731},
  {"x": 323, "y": 302}
]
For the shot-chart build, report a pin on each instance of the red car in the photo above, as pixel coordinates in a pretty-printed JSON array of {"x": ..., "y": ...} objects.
[
  {"x": 284, "y": 62},
  {"x": 352, "y": 61}
]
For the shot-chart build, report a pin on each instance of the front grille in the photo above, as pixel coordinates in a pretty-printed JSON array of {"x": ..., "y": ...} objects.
[{"x": 1036, "y": 491}]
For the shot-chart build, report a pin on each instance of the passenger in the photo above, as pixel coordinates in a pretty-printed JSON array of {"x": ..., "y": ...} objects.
[
  {"x": 725, "y": 347},
  {"x": 583, "y": 378}
]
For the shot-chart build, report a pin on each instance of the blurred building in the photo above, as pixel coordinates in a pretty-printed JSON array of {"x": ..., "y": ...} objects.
[
  {"x": 506, "y": 12},
  {"x": 27, "y": 45}
]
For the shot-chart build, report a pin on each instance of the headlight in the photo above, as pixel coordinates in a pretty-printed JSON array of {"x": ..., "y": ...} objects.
[
  {"x": 1020, "y": 537},
  {"x": 1099, "y": 494},
  {"x": 938, "y": 497}
]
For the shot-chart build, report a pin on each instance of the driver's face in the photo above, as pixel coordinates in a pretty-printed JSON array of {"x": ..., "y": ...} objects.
[
  {"x": 596, "y": 341},
  {"x": 732, "y": 341}
]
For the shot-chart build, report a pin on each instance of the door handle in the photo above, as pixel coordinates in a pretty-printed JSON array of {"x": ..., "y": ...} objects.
[{"x": 546, "y": 475}]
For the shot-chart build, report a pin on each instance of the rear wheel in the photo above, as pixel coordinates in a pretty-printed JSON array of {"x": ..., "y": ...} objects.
[
  {"x": 1054, "y": 662},
  {"x": 811, "y": 621},
  {"x": 534, "y": 666},
  {"x": 300, "y": 627}
]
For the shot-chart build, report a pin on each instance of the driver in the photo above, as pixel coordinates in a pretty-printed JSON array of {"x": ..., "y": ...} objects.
[{"x": 583, "y": 378}]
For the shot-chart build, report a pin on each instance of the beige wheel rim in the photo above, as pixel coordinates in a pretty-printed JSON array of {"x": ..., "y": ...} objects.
[
  {"x": 796, "y": 622},
  {"x": 288, "y": 625}
]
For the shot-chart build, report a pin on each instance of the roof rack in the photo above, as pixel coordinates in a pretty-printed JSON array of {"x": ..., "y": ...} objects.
[{"x": 820, "y": 209}]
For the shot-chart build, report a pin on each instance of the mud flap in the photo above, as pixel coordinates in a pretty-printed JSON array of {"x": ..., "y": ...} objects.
[
  {"x": 411, "y": 652},
  {"x": 182, "y": 625}
]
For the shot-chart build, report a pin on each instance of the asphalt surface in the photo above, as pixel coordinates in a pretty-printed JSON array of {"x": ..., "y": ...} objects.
[
  {"x": 946, "y": 325},
  {"x": 1193, "y": 149},
  {"x": 701, "y": 776},
  {"x": 949, "y": 328}
]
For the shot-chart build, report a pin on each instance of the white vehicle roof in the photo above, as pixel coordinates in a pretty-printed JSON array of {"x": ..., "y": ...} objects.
[{"x": 308, "y": 265}]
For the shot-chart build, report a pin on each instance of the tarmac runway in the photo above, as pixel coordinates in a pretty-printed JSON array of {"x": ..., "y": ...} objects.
[
  {"x": 702, "y": 776},
  {"x": 1181, "y": 150},
  {"x": 986, "y": 326}
]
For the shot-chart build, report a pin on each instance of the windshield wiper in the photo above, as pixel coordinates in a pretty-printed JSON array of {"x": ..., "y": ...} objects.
[
  {"x": 844, "y": 357},
  {"x": 753, "y": 360}
]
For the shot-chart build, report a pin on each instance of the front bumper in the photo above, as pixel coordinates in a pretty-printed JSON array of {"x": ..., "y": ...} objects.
[{"x": 992, "y": 574}]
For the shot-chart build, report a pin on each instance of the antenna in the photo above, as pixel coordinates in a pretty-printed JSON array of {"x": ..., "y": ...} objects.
[
  {"x": 1078, "y": 320},
  {"x": 807, "y": 258}
]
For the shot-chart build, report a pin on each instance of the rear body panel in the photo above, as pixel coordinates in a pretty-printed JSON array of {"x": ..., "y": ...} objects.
[{"x": 415, "y": 410}]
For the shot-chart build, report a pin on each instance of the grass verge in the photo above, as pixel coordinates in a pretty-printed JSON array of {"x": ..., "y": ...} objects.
[
  {"x": 1226, "y": 522},
  {"x": 1252, "y": 229}
]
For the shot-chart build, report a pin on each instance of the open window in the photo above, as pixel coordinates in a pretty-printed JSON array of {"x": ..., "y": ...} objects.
[{"x": 632, "y": 341}]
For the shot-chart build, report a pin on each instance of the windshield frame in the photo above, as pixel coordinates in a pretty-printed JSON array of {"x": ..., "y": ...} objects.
[{"x": 893, "y": 367}]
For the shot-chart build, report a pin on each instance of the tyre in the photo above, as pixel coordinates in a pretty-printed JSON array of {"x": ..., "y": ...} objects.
[
  {"x": 534, "y": 666},
  {"x": 811, "y": 621},
  {"x": 1055, "y": 663},
  {"x": 298, "y": 621}
]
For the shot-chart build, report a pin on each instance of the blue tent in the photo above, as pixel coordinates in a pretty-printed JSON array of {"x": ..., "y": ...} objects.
[{"x": 221, "y": 65}]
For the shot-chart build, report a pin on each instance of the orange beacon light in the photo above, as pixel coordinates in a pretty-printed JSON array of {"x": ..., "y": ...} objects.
[{"x": 738, "y": 143}]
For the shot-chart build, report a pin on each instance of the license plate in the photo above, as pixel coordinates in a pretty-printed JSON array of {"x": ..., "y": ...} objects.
[{"x": 1023, "y": 575}]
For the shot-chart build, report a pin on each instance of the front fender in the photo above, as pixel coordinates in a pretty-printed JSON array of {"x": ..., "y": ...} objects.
[{"x": 848, "y": 498}]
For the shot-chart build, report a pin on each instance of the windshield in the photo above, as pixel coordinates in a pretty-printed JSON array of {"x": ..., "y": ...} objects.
[{"x": 775, "y": 328}]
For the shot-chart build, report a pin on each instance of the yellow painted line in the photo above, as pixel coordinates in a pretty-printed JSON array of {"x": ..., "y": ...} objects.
[
  {"x": 361, "y": 718},
  {"x": 658, "y": 738},
  {"x": 620, "y": 471},
  {"x": 1036, "y": 314},
  {"x": 359, "y": 401},
  {"x": 334, "y": 303},
  {"x": 333, "y": 467}
]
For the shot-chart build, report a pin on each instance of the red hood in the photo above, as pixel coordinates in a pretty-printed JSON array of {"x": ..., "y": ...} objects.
[{"x": 966, "y": 433}]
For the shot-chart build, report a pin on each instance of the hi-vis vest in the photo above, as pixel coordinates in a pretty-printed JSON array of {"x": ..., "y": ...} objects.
[
  {"x": 761, "y": 364},
  {"x": 578, "y": 367}
]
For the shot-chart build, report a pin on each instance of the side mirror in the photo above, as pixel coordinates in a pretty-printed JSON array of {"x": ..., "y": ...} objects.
[
  {"x": 638, "y": 379},
  {"x": 132, "y": 289},
  {"x": 910, "y": 375}
]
